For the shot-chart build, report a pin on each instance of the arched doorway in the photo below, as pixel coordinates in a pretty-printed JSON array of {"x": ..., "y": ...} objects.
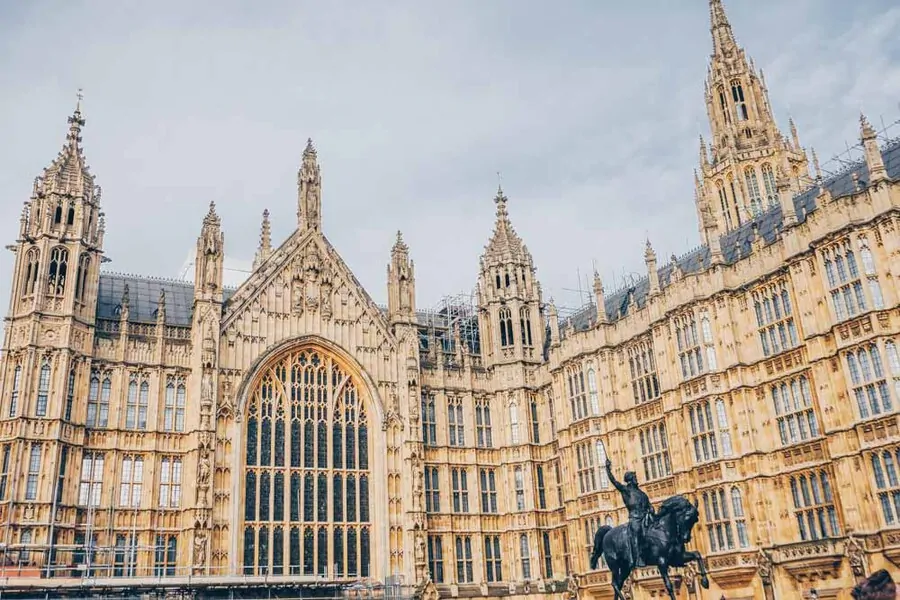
[{"x": 307, "y": 476}]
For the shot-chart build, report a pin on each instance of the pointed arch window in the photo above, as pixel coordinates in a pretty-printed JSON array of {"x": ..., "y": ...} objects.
[
  {"x": 734, "y": 200},
  {"x": 723, "y": 105},
  {"x": 740, "y": 105},
  {"x": 519, "y": 480},
  {"x": 514, "y": 423},
  {"x": 535, "y": 423},
  {"x": 32, "y": 268},
  {"x": 70, "y": 394},
  {"x": 173, "y": 414},
  {"x": 506, "y": 328},
  {"x": 70, "y": 217},
  {"x": 137, "y": 402},
  {"x": 769, "y": 183},
  {"x": 592, "y": 391},
  {"x": 98, "y": 400},
  {"x": 84, "y": 265},
  {"x": 297, "y": 475},
  {"x": 57, "y": 214},
  {"x": 14, "y": 393},
  {"x": 756, "y": 206},
  {"x": 40, "y": 408},
  {"x": 483, "y": 424},
  {"x": 525, "y": 556},
  {"x": 723, "y": 203},
  {"x": 525, "y": 322},
  {"x": 56, "y": 274}
]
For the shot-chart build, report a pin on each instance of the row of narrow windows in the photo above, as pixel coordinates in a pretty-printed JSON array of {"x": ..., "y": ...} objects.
[
  {"x": 506, "y": 327},
  {"x": 505, "y": 280},
  {"x": 56, "y": 273}
]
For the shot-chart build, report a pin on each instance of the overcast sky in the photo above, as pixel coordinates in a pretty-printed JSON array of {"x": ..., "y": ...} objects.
[{"x": 590, "y": 110}]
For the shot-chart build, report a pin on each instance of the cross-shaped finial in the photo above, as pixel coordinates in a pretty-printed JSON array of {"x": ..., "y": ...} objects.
[{"x": 80, "y": 96}]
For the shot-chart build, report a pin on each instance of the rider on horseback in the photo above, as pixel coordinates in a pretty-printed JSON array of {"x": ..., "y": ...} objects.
[{"x": 640, "y": 511}]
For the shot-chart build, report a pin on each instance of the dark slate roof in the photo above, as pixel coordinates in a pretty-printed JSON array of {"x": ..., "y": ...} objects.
[
  {"x": 143, "y": 298},
  {"x": 735, "y": 244}
]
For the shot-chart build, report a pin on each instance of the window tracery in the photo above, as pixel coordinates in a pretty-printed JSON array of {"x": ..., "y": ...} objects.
[
  {"x": 56, "y": 274},
  {"x": 307, "y": 483}
]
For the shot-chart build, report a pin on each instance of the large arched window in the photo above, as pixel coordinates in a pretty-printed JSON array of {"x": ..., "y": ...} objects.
[{"x": 307, "y": 485}]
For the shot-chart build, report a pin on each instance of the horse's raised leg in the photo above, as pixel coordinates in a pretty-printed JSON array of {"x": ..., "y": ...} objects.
[
  {"x": 689, "y": 556},
  {"x": 664, "y": 573}
]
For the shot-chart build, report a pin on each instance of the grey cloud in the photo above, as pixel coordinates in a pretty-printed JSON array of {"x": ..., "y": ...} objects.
[{"x": 591, "y": 111}]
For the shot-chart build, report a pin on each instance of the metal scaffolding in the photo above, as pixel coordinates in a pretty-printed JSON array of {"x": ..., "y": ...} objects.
[{"x": 449, "y": 328}]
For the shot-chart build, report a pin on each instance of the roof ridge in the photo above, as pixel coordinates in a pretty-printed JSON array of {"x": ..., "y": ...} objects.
[{"x": 122, "y": 275}]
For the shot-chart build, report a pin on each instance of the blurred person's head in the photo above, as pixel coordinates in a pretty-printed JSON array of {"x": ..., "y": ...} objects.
[{"x": 878, "y": 586}]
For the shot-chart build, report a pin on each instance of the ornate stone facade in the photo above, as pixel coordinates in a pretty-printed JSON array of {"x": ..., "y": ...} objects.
[{"x": 291, "y": 431}]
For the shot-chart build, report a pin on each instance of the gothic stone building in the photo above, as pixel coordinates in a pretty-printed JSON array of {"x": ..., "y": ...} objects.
[{"x": 291, "y": 432}]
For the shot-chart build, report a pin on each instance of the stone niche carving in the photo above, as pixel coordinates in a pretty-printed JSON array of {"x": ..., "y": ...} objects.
[{"x": 312, "y": 282}]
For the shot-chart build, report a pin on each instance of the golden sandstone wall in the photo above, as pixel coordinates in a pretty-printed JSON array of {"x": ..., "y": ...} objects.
[{"x": 291, "y": 432}]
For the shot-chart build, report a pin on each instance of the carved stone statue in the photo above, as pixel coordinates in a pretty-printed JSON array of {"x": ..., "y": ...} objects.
[
  {"x": 200, "y": 548},
  {"x": 206, "y": 388},
  {"x": 420, "y": 547},
  {"x": 856, "y": 555},
  {"x": 203, "y": 472}
]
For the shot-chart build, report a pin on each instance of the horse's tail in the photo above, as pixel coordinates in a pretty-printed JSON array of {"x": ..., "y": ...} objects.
[{"x": 598, "y": 545}]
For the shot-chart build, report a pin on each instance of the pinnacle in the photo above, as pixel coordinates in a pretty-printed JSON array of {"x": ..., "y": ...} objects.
[
  {"x": 649, "y": 253},
  {"x": 720, "y": 27},
  {"x": 310, "y": 148},
  {"x": 399, "y": 244},
  {"x": 505, "y": 242},
  {"x": 866, "y": 129}
]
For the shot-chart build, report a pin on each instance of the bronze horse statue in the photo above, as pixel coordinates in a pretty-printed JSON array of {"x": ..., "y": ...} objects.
[{"x": 663, "y": 545}]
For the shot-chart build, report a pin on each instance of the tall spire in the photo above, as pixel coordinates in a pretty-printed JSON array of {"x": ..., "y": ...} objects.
[
  {"x": 723, "y": 36},
  {"x": 309, "y": 187}
]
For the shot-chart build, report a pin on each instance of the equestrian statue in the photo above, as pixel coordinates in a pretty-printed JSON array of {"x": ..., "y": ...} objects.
[{"x": 651, "y": 538}]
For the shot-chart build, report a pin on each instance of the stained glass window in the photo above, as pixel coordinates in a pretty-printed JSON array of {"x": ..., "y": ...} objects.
[{"x": 296, "y": 470}]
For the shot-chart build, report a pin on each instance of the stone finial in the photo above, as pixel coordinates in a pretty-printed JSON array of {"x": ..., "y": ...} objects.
[
  {"x": 652, "y": 273},
  {"x": 704, "y": 154},
  {"x": 553, "y": 317},
  {"x": 599, "y": 298},
  {"x": 816, "y": 166},
  {"x": 785, "y": 197},
  {"x": 874, "y": 159},
  {"x": 795, "y": 138},
  {"x": 309, "y": 190},
  {"x": 161, "y": 307}
]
